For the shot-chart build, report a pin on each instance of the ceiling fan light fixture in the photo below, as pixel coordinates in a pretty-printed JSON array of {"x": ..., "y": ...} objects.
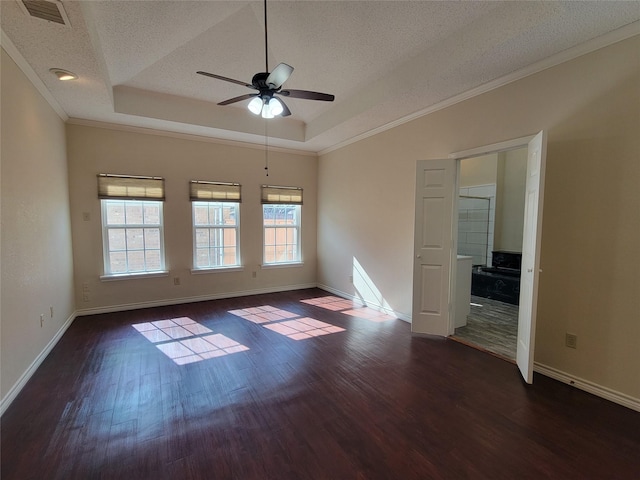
[
  {"x": 275, "y": 106},
  {"x": 255, "y": 105},
  {"x": 266, "y": 111}
]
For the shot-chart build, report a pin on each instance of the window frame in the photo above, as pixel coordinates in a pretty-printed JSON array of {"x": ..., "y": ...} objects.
[
  {"x": 106, "y": 227},
  {"x": 210, "y": 227},
  {"x": 298, "y": 233}
]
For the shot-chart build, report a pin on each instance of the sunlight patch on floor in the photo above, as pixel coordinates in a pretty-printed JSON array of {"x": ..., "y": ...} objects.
[
  {"x": 185, "y": 341},
  {"x": 286, "y": 323},
  {"x": 349, "y": 307}
]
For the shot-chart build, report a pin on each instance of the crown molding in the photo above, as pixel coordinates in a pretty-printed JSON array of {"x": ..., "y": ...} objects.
[{"x": 589, "y": 46}]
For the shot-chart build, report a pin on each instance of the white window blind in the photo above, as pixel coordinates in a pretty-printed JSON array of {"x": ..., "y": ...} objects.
[
  {"x": 125, "y": 187},
  {"x": 281, "y": 195},
  {"x": 214, "y": 191}
]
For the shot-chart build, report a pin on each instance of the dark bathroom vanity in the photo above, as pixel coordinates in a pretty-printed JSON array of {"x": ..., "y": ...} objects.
[{"x": 500, "y": 281}]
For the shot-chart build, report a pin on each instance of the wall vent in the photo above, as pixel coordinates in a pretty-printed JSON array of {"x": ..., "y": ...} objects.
[{"x": 49, "y": 10}]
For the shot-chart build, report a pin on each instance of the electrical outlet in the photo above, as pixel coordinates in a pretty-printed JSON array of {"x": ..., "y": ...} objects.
[
  {"x": 86, "y": 216},
  {"x": 254, "y": 274},
  {"x": 571, "y": 340},
  {"x": 176, "y": 280},
  {"x": 85, "y": 287},
  {"x": 85, "y": 297}
]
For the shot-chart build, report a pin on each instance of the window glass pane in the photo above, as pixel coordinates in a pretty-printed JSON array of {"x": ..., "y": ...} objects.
[
  {"x": 215, "y": 257},
  {"x": 215, "y": 214},
  {"x": 280, "y": 253},
  {"x": 135, "y": 238},
  {"x": 269, "y": 236},
  {"x": 269, "y": 254},
  {"x": 152, "y": 238},
  {"x": 117, "y": 239},
  {"x": 115, "y": 213},
  {"x": 151, "y": 214},
  {"x": 200, "y": 214},
  {"x": 133, "y": 213},
  {"x": 291, "y": 235},
  {"x": 229, "y": 236},
  {"x": 230, "y": 214},
  {"x": 118, "y": 262},
  {"x": 152, "y": 259},
  {"x": 202, "y": 237},
  {"x": 290, "y": 215},
  {"x": 268, "y": 212},
  {"x": 135, "y": 261},
  {"x": 230, "y": 256},
  {"x": 202, "y": 257},
  {"x": 214, "y": 237}
]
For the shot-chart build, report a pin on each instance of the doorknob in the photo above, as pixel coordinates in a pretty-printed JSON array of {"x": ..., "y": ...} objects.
[{"x": 418, "y": 256}]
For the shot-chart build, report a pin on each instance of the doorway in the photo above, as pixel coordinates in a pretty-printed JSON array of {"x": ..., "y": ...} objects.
[
  {"x": 435, "y": 244},
  {"x": 490, "y": 225}
]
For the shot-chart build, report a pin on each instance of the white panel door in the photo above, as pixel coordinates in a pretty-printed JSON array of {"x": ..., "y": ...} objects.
[
  {"x": 435, "y": 183},
  {"x": 531, "y": 255}
]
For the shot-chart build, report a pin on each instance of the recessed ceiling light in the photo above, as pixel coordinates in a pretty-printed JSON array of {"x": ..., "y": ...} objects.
[{"x": 63, "y": 74}]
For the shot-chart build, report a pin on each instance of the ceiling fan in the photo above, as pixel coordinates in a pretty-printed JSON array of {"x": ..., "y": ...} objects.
[{"x": 268, "y": 85}]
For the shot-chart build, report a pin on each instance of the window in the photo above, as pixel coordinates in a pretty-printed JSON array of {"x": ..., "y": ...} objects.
[
  {"x": 281, "y": 212},
  {"x": 216, "y": 224},
  {"x": 132, "y": 224}
]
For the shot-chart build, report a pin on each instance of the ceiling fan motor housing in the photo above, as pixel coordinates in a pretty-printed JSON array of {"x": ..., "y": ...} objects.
[{"x": 259, "y": 81}]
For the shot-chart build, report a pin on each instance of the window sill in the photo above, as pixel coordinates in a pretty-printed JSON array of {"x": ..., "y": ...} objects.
[
  {"x": 202, "y": 271},
  {"x": 266, "y": 266},
  {"x": 133, "y": 276}
]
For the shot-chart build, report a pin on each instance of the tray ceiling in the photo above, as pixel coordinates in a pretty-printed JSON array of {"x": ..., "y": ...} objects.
[{"x": 383, "y": 60}]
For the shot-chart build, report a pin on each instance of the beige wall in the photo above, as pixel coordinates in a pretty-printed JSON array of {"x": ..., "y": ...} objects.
[
  {"x": 100, "y": 150},
  {"x": 482, "y": 170},
  {"x": 512, "y": 175},
  {"x": 591, "y": 230},
  {"x": 37, "y": 271}
]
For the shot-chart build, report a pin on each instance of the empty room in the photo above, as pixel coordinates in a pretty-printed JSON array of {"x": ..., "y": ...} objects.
[{"x": 241, "y": 240}]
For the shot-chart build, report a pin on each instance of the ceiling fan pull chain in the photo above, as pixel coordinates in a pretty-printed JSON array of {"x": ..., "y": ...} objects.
[{"x": 266, "y": 147}]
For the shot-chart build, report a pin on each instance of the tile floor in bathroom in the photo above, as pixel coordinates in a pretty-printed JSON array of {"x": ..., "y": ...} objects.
[{"x": 492, "y": 326}]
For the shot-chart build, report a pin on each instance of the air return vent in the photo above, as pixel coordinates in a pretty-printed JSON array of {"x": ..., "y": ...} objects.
[{"x": 51, "y": 11}]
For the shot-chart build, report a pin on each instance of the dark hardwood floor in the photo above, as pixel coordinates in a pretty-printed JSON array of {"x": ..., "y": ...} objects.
[{"x": 247, "y": 395}]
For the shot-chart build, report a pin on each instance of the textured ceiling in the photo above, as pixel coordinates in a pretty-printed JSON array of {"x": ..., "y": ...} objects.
[{"x": 383, "y": 60}]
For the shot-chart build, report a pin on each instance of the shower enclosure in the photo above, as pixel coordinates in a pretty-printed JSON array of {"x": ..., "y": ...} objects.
[{"x": 474, "y": 229}]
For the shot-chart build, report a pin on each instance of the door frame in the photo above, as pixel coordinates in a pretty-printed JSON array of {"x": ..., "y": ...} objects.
[{"x": 522, "y": 142}]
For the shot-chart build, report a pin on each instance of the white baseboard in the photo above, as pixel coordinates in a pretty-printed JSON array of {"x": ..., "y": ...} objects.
[
  {"x": 19, "y": 385},
  {"x": 587, "y": 386},
  {"x": 194, "y": 299},
  {"x": 388, "y": 311}
]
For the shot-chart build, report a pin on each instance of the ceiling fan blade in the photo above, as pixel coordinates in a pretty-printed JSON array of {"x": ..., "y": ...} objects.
[
  {"x": 285, "y": 110},
  {"x": 279, "y": 75},
  {"x": 220, "y": 77},
  {"x": 307, "y": 95},
  {"x": 239, "y": 99}
]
